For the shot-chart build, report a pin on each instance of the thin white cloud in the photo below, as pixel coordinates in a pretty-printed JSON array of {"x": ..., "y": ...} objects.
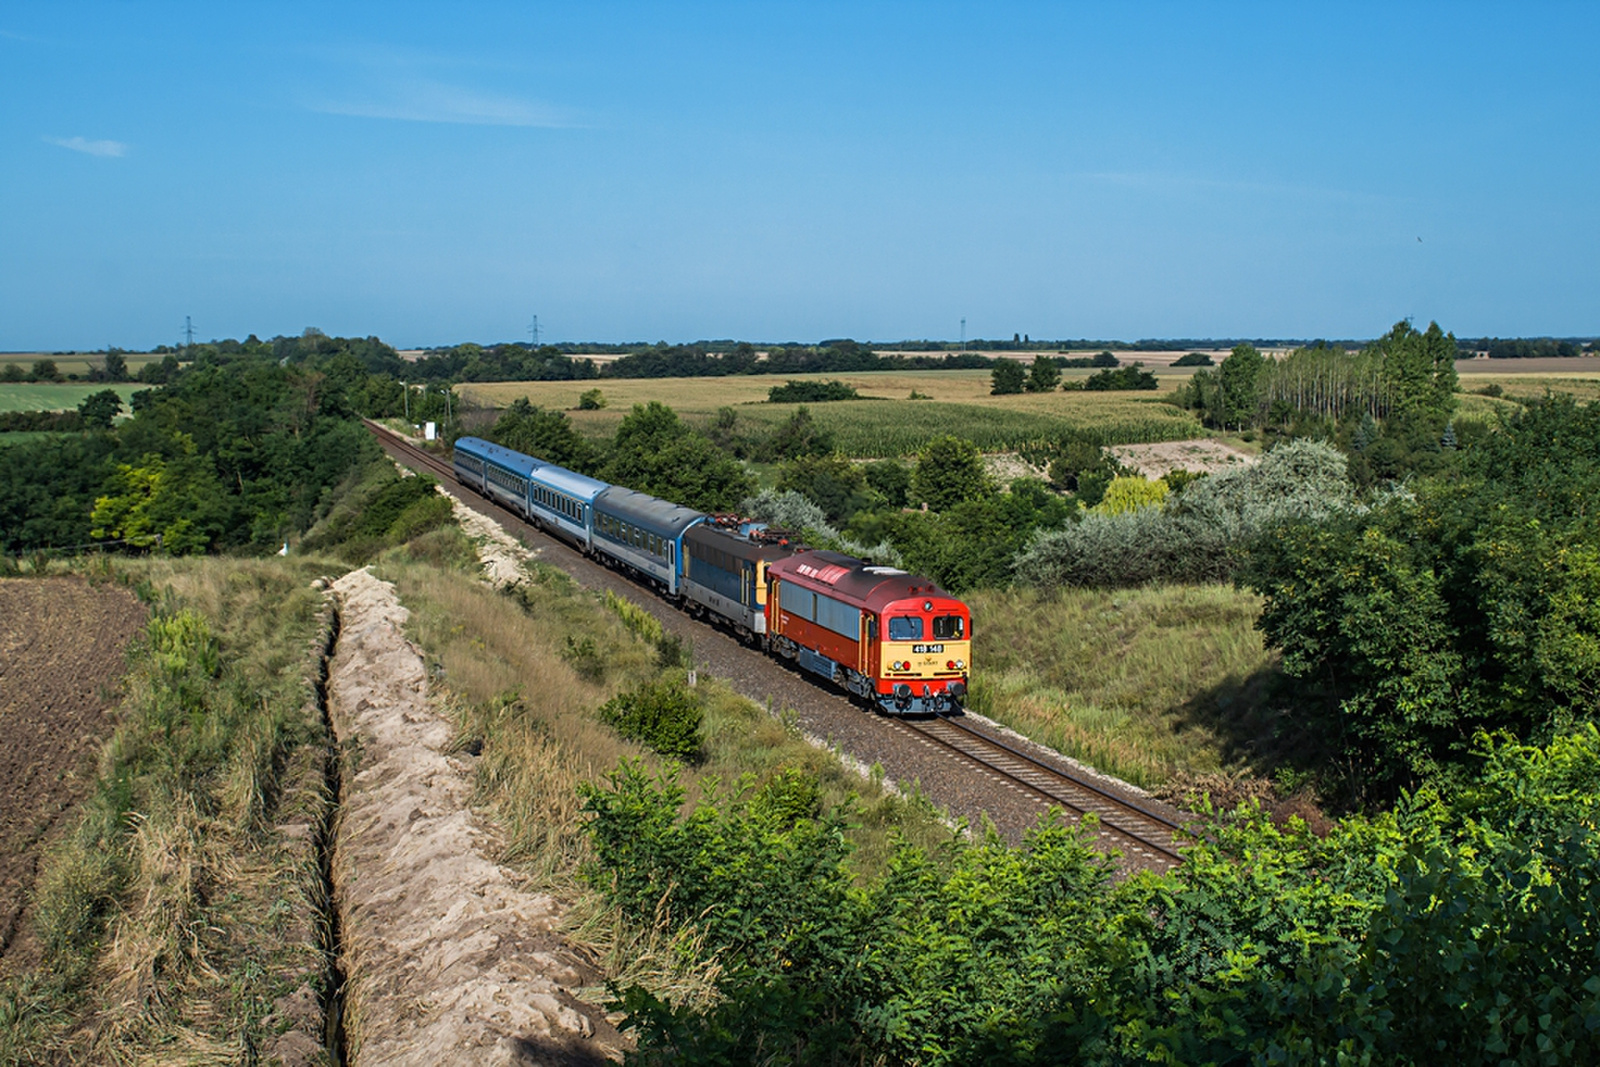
[
  {"x": 431, "y": 101},
  {"x": 109, "y": 149}
]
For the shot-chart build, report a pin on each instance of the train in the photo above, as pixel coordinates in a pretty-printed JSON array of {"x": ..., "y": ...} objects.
[{"x": 892, "y": 640}]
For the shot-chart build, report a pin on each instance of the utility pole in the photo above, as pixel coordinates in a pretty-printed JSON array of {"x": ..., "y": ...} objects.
[
  {"x": 963, "y": 337},
  {"x": 407, "y": 390}
]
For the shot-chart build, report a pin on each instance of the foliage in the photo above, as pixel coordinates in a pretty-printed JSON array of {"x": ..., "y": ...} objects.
[
  {"x": 949, "y": 471},
  {"x": 1192, "y": 537},
  {"x": 891, "y": 480},
  {"x": 1043, "y": 376},
  {"x": 810, "y": 392},
  {"x": 591, "y": 400},
  {"x": 835, "y": 484},
  {"x": 1008, "y": 377},
  {"x": 1466, "y": 605},
  {"x": 654, "y": 452},
  {"x": 100, "y": 409},
  {"x": 1133, "y": 376},
  {"x": 547, "y": 435},
  {"x": 663, "y": 715},
  {"x": 1471, "y": 922},
  {"x": 798, "y": 437},
  {"x": 1193, "y": 359},
  {"x": 784, "y": 510},
  {"x": 1130, "y": 494},
  {"x": 41, "y": 421},
  {"x": 1239, "y": 379}
]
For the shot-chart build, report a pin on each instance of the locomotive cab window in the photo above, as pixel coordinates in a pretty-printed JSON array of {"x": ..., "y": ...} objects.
[
  {"x": 905, "y": 628},
  {"x": 948, "y": 628}
]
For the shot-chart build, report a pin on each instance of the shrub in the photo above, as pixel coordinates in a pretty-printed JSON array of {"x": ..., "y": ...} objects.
[
  {"x": 1194, "y": 359},
  {"x": 810, "y": 392},
  {"x": 662, "y": 715},
  {"x": 1123, "y": 378},
  {"x": 591, "y": 400},
  {"x": 1130, "y": 494},
  {"x": 1191, "y": 537}
]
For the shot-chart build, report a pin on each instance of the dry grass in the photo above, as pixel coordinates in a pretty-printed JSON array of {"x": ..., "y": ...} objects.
[
  {"x": 1143, "y": 683},
  {"x": 175, "y": 914},
  {"x": 508, "y": 674}
]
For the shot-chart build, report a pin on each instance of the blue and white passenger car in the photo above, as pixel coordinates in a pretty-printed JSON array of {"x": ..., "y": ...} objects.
[
  {"x": 497, "y": 472},
  {"x": 562, "y": 502},
  {"x": 644, "y": 533}
]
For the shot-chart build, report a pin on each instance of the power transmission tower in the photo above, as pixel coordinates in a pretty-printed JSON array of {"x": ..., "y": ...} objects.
[
  {"x": 533, "y": 331},
  {"x": 963, "y": 337},
  {"x": 188, "y": 334}
]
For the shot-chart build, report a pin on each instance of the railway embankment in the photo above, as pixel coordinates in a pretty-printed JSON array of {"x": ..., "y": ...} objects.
[{"x": 446, "y": 957}]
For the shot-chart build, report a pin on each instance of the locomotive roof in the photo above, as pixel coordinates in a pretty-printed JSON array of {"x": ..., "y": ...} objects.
[
  {"x": 499, "y": 455},
  {"x": 742, "y": 547},
  {"x": 855, "y": 579},
  {"x": 579, "y": 485},
  {"x": 646, "y": 511}
]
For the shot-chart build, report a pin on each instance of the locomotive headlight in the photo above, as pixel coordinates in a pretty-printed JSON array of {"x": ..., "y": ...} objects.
[{"x": 961, "y": 664}]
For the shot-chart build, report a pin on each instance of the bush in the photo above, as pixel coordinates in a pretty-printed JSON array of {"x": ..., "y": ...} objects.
[
  {"x": 1194, "y": 359},
  {"x": 591, "y": 400},
  {"x": 662, "y": 715},
  {"x": 1190, "y": 538},
  {"x": 1131, "y": 494},
  {"x": 810, "y": 392},
  {"x": 1123, "y": 378}
]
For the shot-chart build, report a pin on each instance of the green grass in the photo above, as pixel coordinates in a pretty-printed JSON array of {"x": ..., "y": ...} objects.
[
  {"x": 1150, "y": 684},
  {"x": 45, "y": 396}
]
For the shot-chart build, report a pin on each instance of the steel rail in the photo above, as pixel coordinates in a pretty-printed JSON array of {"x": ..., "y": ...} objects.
[{"x": 1059, "y": 787}]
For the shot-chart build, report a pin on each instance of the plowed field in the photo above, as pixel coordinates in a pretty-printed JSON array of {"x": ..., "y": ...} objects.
[{"x": 61, "y": 653}]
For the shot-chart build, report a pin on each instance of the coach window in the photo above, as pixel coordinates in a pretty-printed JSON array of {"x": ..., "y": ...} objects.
[
  {"x": 948, "y": 628},
  {"x": 905, "y": 628}
]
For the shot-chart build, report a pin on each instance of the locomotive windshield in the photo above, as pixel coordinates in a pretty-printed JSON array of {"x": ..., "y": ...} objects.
[
  {"x": 948, "y": 628},
  {"x": 905, "y": 628}
]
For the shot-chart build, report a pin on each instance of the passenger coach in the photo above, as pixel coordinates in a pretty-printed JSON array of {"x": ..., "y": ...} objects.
[
  {"x": 644, "y": 533},
  {"x": 495, "y": 471}
]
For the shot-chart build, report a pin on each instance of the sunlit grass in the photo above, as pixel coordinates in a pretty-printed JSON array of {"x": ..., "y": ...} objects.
[{"x": 1142, "y": 683}]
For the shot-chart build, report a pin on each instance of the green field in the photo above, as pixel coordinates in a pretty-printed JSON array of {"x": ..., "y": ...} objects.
[
  {"x": 43, "y": 396},
  {"x": 887, "y": 424}
]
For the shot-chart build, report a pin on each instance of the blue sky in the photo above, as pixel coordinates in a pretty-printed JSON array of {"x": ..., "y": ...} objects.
[{"x": 439, "y": 173}]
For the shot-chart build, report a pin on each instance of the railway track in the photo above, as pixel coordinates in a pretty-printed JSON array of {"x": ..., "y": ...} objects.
[
  {"x": 1145, "y": 835},
  {"x": 1139, "y": 830}
]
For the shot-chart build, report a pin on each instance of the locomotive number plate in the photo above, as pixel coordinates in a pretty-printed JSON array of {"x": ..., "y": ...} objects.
[{"x": 927, "y": 648}]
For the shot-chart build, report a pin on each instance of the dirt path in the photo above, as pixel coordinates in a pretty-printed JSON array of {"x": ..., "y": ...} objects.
[{"x": 447, "y": 960}]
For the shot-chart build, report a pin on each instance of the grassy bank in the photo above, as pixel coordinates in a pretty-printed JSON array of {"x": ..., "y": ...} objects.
[
  {"x": 1146, "y": 684},
  {"x": 524, "y": 674},
  {"x": 185, "y": 902}
]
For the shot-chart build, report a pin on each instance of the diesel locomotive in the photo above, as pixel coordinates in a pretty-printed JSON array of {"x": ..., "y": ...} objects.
[{"x": 893, "y": 640}]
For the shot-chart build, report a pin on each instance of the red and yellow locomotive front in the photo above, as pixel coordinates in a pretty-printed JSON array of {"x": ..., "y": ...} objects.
[{"x": 885, "y": 635}]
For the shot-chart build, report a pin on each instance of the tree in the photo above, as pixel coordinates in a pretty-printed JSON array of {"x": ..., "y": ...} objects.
[
  {"x": 833, "y": 483},
  {"x": 591, "y": 400},
  {"x": 100, "y": 409},
  {"x": 1240, "y": 376},
  {"x": 1420, "y": 372},
  {"x": 44, "y": 370},
  {"x": 547, "y": 435},
  {"x": 1044, "y": 376},
  {"x": 116, "y": 366},
  {"x": 949, "y": 471},
  {"x": 799, "y": 435},
  {"x": 1007, "y": 377},
  {"x": 655, "y": 452},
  {"x": 890, "y": 479}
]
